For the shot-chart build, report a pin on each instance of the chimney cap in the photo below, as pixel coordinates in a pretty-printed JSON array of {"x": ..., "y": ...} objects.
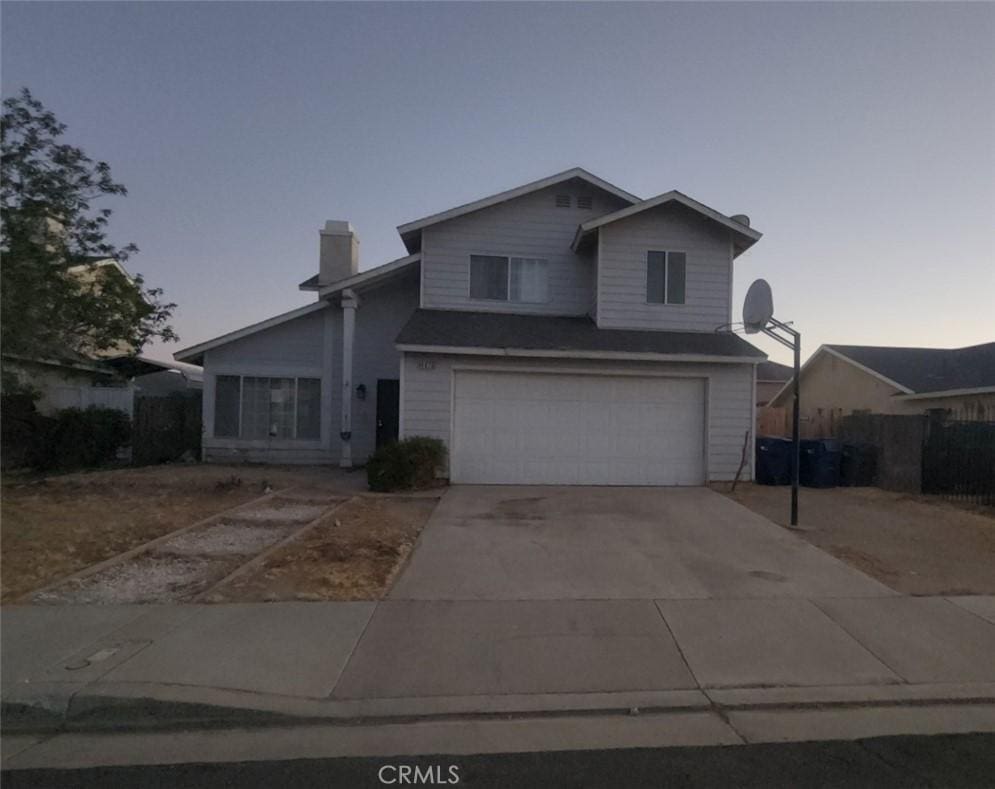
[{"x": 337, "y": 227}]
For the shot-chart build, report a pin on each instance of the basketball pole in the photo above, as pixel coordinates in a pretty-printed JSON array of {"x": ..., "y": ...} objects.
[{"x": 795, "y": 344}]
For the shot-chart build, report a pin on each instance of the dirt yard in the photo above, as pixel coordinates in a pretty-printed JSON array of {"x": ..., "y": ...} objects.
[
  {"x": 914, "y": 544},
  {"x": 54, "y": 527},
  {"x": 353, "y": 554}
]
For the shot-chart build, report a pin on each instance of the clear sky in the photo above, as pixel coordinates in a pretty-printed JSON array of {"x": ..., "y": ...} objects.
[{"x": 860, "y": 138}]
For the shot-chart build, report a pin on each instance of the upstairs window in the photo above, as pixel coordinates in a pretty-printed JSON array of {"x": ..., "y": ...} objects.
[
  {"x": 512, "y": 279},
  {"x": 666, "y": 277}
]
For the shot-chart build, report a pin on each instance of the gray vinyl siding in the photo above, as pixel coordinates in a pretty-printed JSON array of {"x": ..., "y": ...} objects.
[
  {"x": 623, "y": 248},
  {"x": 311, "y": 347},
  {"x": 529, "y": 226},
  {"x": 381, "y": 315},
  {"x": 426, "y": 398}
]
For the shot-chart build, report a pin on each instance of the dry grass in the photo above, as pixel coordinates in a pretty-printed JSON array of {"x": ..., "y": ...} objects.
[
  {"x": 914, "y": 544},
  {"x": 352, "y": 555},
  {"x": 60, "y": 525}
]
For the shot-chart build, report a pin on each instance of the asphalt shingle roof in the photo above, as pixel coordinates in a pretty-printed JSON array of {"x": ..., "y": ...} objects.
[
  {"x": 456, "y": 329},
  {"x": 772, "y": 371},
  {"x": 928, "y": 369}
]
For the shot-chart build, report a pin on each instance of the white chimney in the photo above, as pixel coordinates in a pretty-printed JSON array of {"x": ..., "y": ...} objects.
[{"x": 338, "y": 255}]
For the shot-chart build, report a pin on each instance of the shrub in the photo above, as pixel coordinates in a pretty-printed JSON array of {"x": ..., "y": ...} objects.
[
  {"x": 75, "y": 438},
  {"x": 405, "y": 465}
]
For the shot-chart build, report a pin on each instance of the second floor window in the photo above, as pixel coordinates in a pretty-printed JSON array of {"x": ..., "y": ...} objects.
[
  {"x": 666, "y": 277},
  {"x": 514, "y": 279}
]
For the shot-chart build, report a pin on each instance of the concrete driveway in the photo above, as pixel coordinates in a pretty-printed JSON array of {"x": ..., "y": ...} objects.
[{"x": 589, "y": 543}]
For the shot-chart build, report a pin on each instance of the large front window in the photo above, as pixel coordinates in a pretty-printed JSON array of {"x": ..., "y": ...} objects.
[
  {"x": 265, "y": 408},
  {"x": 517, "y": 279}
]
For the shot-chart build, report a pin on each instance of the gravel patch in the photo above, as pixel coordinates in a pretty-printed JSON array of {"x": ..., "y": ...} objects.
[
  {"x": 293, "y": 513},
  {"x": 148, "y": 579},
  {"x": 225, "y": 539}
]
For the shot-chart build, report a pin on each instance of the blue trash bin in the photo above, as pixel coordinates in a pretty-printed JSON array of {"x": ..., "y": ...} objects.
[
  {"x": 820, "y": 463},
  {"x": 773, "y": 461}
]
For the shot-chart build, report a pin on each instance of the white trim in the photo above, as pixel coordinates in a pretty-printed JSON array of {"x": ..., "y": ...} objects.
[
  {"x": 555, "y": 354},
  {"x": 400, "y": 401},
  {"x": 196, "y": 350},
  {"x": 939, "y": 394},
  {"x": 753, "y": 427},
  {"x": 845, "y": 358},
  {"x": 511, "y": 194},
  {"x": 672, "y": 196},
  {"x": 372, "y": 275}
]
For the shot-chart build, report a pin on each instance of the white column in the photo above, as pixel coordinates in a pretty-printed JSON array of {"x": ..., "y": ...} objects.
[{"x": 350, "y": 302}]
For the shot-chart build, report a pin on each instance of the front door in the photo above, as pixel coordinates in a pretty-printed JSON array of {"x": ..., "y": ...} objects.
[{"x": 388, "y": 408}]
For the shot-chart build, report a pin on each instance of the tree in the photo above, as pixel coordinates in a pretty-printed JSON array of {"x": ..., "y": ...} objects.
[{"x": 56, "y": 303}]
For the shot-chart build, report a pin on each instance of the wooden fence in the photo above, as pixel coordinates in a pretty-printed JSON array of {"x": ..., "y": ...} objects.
[{"x": 165, "y": 428}]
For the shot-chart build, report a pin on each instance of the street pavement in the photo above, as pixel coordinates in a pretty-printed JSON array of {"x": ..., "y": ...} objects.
[{"x": 953, "y": 762}]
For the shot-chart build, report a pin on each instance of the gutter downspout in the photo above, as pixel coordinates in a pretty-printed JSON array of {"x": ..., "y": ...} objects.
[{"x": 350, "y": 303}]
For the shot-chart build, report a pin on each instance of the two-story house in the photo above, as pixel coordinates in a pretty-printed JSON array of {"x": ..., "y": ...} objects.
[{"x": 563, "y": 332}]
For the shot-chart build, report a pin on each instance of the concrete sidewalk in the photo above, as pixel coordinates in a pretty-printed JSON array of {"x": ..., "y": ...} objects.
[{"x": 81, "y": 667}]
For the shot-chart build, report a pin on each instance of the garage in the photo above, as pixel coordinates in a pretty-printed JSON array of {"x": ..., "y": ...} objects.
[{"x": 577, "y": 429}]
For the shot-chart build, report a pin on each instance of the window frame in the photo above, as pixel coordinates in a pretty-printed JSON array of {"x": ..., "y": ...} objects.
[
  {"x": 509, "y": 258},
  {"x": 294, "y": 418},
  {"x": 666, "y": 278}
]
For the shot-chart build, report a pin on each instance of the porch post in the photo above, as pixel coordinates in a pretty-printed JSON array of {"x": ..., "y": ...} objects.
[{"x": 350, "y": 302}]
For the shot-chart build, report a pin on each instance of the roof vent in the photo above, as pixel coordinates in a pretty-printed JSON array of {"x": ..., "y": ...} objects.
[
  {"x": 585, "y": 201},
  {"x": 743, "y": 219},
  {"x": 563, "y": 201}
]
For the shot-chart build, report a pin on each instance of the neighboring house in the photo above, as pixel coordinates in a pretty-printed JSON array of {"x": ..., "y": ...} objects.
[
  {"x": 562, "y": 332},
  {"x": 771, "y": 378},
  {"x": 838, "y": 380},
  {"x": 77, "y": 383},
  {"x": 81, "y": 378}
]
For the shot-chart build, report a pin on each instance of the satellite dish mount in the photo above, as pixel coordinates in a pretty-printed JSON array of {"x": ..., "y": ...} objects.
[{"x": 758, "y": 318}]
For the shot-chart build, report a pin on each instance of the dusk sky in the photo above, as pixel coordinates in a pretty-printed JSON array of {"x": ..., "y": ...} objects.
[{"x": 860, "y": 139}]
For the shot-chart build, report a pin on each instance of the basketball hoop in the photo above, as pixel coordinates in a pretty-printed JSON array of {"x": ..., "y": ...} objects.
[{"x": 758, "y": 316}]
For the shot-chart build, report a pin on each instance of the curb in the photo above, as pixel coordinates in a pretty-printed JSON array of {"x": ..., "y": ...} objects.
[{"x": 165, "y": 708}]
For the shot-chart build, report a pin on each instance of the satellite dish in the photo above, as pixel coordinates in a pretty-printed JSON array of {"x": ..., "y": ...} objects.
[{"x": 758, "y": 307}]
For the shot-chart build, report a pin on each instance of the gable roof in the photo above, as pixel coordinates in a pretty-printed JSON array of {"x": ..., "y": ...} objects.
[
  {"x": 411, "y": 231},
  {"x": 917, "y": 372},
  {"x": 922, "y": 370},
  {"x": 742, "y": 233},
  {"x": 491, "y": 333},
  {"x": 195, "y": 353},
  {"x": 371, "y": 276}
]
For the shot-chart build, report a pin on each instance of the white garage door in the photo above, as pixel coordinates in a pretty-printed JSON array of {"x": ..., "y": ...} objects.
[{"x": 549, "y": 429}]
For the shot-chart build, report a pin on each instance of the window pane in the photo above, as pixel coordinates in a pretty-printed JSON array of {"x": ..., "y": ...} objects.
[
  {"x": 255, "y": 408},
  {"x": 676, "y": 276},
  {"x": 656, "y": 263},
  {"x": 529, "y": 280},
  {"x": 281, "y": 407},
  {"x": 309, "y": 408},
  {"x": 226, "y": 406},
  {"x": 488, "y": 277}
]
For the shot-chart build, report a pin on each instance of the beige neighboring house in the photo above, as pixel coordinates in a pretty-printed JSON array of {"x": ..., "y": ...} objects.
[{"x": 838, "y": 380}]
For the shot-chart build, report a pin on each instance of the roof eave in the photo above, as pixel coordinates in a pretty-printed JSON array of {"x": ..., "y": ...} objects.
[{"x": 579, "y": 354}]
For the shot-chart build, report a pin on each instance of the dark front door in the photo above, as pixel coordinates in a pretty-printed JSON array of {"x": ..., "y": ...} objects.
[{"x": 388, "y": 408}]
